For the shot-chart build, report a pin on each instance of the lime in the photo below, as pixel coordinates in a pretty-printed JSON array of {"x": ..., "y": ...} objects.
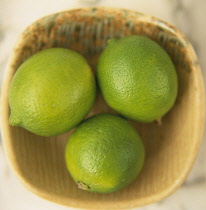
[
  {"x": 137, "y": 78},
  {"x": 51, "y": 92},
  {"x": 104, "y": 154}
]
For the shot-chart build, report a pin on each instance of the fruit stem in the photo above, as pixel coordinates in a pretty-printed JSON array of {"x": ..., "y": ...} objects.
[
  {"x": 159, "y": 121},
  {"x": 82, "y": 185}
]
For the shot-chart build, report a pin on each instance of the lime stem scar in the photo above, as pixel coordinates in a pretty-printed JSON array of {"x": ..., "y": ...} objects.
[{"x": 82, "y": 185}]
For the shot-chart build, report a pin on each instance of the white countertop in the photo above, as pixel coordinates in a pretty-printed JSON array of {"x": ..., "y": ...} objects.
[{"x": 187, "y": 15}]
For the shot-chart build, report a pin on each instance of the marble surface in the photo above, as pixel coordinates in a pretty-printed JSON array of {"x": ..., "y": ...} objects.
[{"x": 187, "y": 15}]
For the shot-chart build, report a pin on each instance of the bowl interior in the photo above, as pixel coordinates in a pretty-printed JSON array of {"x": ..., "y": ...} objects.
[{"x": 171, "y": 146}]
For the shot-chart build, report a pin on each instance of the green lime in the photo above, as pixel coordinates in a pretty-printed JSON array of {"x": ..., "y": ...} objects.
[
  {"x": 137, "y": 78},
  {"x": 51, "y": 92},
  {"x": 104, "y": 154}
]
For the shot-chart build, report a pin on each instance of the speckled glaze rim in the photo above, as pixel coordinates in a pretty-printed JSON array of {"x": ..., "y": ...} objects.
[
  {"x": 174, "y": 38},
  {"x": 164, "y": 33}
]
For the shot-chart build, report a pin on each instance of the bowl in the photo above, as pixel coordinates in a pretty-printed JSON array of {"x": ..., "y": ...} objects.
[{"x": 171, "y": 146}]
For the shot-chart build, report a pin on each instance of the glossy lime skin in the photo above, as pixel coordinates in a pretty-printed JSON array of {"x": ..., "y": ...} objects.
[
  {"x": 137, "y": 78},
  {"x": 104, "y": 154},
  {"x": 51, "y": 92}
]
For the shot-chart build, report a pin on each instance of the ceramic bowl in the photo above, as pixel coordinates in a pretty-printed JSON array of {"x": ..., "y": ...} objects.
[{"x": 171, "y": 147}]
